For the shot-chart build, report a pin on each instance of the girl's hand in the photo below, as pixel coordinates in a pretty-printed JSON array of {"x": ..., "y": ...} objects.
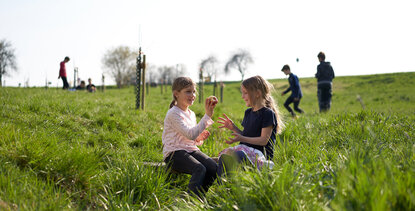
[
  {"x": 203, "y": 136},
  {"x": 210, "y": 104},
  {"x": 226, "y": 122},
  {"x": 236, "y": 138}
]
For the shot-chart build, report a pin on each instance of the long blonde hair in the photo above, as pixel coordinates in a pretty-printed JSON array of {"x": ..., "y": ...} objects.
[
  {"x": 179, "y": 84},
  {"x": 257, "y": 83}
]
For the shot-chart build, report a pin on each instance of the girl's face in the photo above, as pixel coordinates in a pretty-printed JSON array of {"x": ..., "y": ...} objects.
[
  {"x": 246, "y": 97},
  {"x": 186, "y": 96}
]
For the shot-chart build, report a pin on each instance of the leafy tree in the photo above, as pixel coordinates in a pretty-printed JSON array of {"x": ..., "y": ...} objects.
[
  {"x": 7, "y": 59},
  {"x": 239, "y": 61},
  {"x": 120, "y": 63}
]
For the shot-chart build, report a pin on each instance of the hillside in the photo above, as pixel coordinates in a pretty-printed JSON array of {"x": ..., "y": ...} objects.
[{"x": 78, "y": 150}]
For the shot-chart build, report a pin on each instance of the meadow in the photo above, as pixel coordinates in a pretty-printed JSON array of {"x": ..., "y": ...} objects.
[{"x": 62, "y": 150}]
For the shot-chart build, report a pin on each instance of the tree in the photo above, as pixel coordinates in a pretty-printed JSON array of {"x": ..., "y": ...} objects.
[
  {"x": 120, "y": 63},
  {"x": 208, "y": 66},
  {"x": 240, "y": 61},
  {"x": 7, "y": 59}
]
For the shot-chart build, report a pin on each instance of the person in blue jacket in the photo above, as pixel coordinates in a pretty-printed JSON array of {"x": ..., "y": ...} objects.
[
  {"x": 295, "y": 89},
  {"x": 324, "y": 75}
]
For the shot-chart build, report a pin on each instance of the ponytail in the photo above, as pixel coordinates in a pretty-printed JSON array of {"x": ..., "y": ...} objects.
[{"x": 173, "y": 103}]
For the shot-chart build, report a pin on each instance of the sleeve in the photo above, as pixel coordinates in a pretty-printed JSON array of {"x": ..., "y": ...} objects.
[
  {"x": 318, "y": 72},
  {"x": 189, "y": 131},
  {"x": 289, "y": 88},
  {"x": 268, "y": 119},
  {"x": 332, "y": 72}
]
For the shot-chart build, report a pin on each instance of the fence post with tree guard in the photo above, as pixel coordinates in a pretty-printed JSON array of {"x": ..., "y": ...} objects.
[
  {"x": 143, "y": 81},
  {"x": 200, "y": 85},
  {"x": 140, "y": 79}
]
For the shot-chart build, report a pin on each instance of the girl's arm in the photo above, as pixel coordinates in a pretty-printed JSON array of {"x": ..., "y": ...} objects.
[
  {"x": 266, "y": 133},
  {"x": 190, "y": 132},
  {"x": 228, "y": 123}
]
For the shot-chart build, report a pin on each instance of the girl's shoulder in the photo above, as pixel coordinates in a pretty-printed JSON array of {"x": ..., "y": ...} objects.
[
  {"x": 176, "y": 111},
  {"x": 267, "y": 111}
]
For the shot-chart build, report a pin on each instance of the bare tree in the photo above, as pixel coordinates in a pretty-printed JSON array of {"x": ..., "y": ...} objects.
[
  {"x": 209, "y": 66},
  {"x": 120, "y": 63},
  {"x": 180, "y": 70},
  {"x": 7, "y": 59},
  {"x": 239, "y": 61},
  {"x": 151, "y": 73}
]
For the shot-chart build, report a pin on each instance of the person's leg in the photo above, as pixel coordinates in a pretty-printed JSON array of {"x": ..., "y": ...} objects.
[
  {"x": 182, "y": 162},
  {"x": 319, "y": 97},
  {"x": 226, "y": 164},
  {"x": 296, "y": 108},
  {"x": 211, "y": 168},
  {"x": 287, "y": 105},
  {"x": 326, "y": 96},
  {"x": 65, "y": 83},
  {"x": 329, "y": 94},
  {"x": 242, "y": 157}
]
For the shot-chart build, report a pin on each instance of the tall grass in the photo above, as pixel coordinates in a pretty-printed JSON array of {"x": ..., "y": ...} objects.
[{"x": 77, "y": 150}]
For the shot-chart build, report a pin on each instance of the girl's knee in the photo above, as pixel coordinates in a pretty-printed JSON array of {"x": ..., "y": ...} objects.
[{"x": 199, "y": 168}]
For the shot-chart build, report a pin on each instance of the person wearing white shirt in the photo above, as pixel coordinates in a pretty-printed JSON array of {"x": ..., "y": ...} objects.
[{"x": 182, "y": 134}]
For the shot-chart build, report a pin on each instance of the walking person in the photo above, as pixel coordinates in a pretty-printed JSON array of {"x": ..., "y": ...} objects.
[
  {"x": 62, "y": 73},
  {"x": 182, "y": 134},
  {"x": 296, "y": 93},
  {"x": 324, "y": 75}
]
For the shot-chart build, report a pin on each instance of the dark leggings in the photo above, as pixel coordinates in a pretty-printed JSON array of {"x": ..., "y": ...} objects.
[
  {"x": 200, "y": 166},
  {"x": 65, "y": 83},
  {"x": 296, "y": 103}
]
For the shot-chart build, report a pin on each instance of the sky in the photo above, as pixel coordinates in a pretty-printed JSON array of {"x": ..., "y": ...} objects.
[{"x": 359, "y": 37}]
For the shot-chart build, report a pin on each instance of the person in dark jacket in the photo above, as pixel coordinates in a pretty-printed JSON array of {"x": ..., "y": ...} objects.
[
  {"x": 295, "y": 89},
  {"x": 324, "y": 75}
]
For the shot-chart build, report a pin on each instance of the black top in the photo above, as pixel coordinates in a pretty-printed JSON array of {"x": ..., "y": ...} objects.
[
  {"x": 253, "y": 123},
  {"x": 295, "y": 86},
  {"x": 89, "y": 87},
  {"x": 324, "y": 72}
]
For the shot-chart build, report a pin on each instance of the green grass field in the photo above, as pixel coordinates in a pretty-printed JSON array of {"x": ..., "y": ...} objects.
[{"x": 77, "y": 150}]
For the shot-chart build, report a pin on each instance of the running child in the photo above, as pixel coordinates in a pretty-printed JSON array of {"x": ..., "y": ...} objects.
[{"x": 296, "y": 93}]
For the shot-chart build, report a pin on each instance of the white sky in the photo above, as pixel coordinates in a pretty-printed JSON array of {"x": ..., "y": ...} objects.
[{"x": 359, "y": 37}]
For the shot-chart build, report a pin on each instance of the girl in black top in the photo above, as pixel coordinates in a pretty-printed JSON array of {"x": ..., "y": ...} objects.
[{"x": 261, "y": 123}]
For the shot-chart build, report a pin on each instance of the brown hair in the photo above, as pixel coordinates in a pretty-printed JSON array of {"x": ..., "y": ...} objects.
[
  {"x": 257, "y": 83},
  {"x": 321, "y": 56},
  {"x": 179, "y": 84},
  {"x": 285, "y": 67}
]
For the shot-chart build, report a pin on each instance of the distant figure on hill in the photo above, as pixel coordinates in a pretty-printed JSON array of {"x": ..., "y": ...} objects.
[
  {"x": 81, "y": 86},
  {"x": 324, "y": 75},
  {"x": 62, "y": 73},
  {"x": 90, "y": 87},
  {"x": 182, "y": 134},
  {"x": 295, "y": 89}
]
